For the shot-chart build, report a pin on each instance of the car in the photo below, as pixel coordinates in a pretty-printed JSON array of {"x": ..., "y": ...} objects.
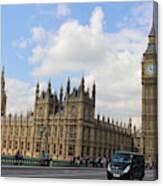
[{"x": 126, "y": 165}]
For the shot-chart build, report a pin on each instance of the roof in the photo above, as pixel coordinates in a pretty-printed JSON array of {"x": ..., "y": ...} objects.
[
  {"x": 151, "y": 49},
  {"x": 152, "y": 31}
]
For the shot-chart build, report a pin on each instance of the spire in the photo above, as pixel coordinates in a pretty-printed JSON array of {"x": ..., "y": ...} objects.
[
  {"x": 152, "y": 31},
  {"x": 37, "y": 90},
  {"x": 130, "y": 121},
  {"x": 68, "y": 87},
  {"x": 82, "y": 81},
  {"x": 94, "y": 94},
  {"x": 82, "y": 85},
  {"x": 130, "y": 126},
  {"x": 61, "y": 95},
  {"x": 154, "y": 26},
  {"x": 3, "y": 78},
  {"x": 3, "y": 93},
  {"x": 49, "y": 87},
  {"x": 152, "y": 37}
]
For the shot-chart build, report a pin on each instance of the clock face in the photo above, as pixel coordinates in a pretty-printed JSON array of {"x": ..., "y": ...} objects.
[{"x": 150, "y": 68}]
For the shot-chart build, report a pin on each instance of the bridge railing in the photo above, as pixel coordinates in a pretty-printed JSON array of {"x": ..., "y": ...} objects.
[{"x": 26, "y": 161}]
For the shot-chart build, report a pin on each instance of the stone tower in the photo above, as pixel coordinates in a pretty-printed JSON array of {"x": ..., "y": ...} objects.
[
  {"x": 80, "y": 107},
  {"x": 3, "y": 94},
  {"x": 80, "y": 104},
  {"x": 46, "y": 102},
  {"x": 149, "y": 98}
]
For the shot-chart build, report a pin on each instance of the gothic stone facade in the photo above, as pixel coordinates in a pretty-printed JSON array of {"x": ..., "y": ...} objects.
[{"x": 64, "y": 127}]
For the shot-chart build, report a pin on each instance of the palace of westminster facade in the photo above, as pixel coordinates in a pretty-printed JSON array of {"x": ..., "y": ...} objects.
[{"x": 65, "y": 126}]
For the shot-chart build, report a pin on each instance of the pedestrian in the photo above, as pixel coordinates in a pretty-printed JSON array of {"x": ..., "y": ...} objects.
[
  {"x": 103, "y": 162},
  {"x": 81, "y": 161},
  {"x": 78, "y": 161},
  {"x": 97, "y": 162},
  {"x": 74, "y": 161},
  {"x": 20, "y": 158},
  {"x": 86, "y": 162},
  {"x": 42, "y": 159}
]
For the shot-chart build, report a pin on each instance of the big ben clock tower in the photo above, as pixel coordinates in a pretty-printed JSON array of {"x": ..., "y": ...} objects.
[{"x": 149, "y": 98}]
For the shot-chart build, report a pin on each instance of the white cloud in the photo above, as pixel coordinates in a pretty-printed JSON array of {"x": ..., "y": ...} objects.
[
  {"x": 20, "y": 96},
  {"x": 38, "y": 34},
  {"x": 22, "y": 43},
  {"x": 96, "y": 21},
  {"x": 63, "y": 10},
  {"x": 140, "y": 15}
]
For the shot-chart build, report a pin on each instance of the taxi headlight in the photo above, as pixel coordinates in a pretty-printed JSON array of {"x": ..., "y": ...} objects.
[{"x": 126, "y": 170}]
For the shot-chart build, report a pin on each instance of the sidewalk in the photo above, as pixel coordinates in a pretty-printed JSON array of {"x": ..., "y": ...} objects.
[{"x": 50, "y": 167}]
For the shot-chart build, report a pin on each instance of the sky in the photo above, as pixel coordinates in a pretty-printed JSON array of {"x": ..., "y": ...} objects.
[{"x": 102, "y": 41}]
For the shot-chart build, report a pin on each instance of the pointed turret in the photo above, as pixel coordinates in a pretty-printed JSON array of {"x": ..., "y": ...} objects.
[
  {"x": 68, "y": 87},
  {"x": 3, "y": 93},
  {"x": 152, "y": 43},
  {"x": 94, "y": 94},
  {"x": 83, "y": 84},
  {"x": 130, "y": 126},
  {"x": 49, "y": 87},
  {"x": 3, "y": 78},
  {"x": 37, "y": 90},
  {"x": 61, "y": 95}
]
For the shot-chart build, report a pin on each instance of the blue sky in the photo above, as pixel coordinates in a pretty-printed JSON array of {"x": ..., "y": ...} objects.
[
  {"x": 18, "y": 20},
  {"x": 115, "y": 21}
]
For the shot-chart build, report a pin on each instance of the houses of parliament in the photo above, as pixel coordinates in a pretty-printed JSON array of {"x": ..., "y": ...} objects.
[{"x": 65, "y": 125}]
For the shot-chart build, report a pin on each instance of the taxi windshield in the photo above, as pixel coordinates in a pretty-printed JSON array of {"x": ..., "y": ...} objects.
[{"x": 121, "y": 158}]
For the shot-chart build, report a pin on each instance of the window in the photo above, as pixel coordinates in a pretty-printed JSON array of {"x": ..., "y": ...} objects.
[
  {"x": 38, "y": 147},
  {"x": 71, "y": 150},
  {"x": 99, "y": 152},
  {"x": 54, "y": 148},
  {"x": 28, "y": 131},
  {"x": 22, "y": 131},
  {"x": 4, "y": 144},
  {"x": 55, "y": 131},
  {"x": 11, "y": 131},
  {"x": 10, "y": 144},
  {"x": 28, "y": 146},
  {"x": 88, "y": 150},
  {"x": 61, "y": 131},
  {"x": 16, "y": 129},
  {"x": 49, "y": 130},
  {"x": 60, "y": 149},
  {"x": 72, "y": 131},
  {"x": 48, "y": 148},
  {"x": 22, "y": 145},
  {"x": 15, "y": 145},
  {"x": 4, "y": 130},
  {"x": 94, "y": 152}
]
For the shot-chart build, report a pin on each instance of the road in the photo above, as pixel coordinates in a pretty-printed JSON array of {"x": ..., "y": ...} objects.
[{"x": 61, "y": 172}]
